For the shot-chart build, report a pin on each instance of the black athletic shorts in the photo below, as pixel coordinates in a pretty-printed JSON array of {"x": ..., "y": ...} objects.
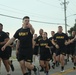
[
  {"x": 68, "y": 50},
  {"x": 4, "y": 54},
  {"x": 62, "y": 51},
  {"x": 75, "y": 53},
  {"x": 9, "y": 51},
  {"x": 17, "y": 56},
  {"x": 53, "y": 50},
  {"x": 72, "y": 51},
  {"x": 45, "y": 56},
  {"x": 25, "y": 54},
  {"x": 36, "y": 50}
]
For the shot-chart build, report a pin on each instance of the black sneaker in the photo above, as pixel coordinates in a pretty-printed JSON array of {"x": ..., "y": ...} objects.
[
  {"x": 11, "y": 61},
  {"x": 74, "y": 67},
  {"x": 49, "y": 66},
  {"x": 53, "y": 66},
  {"x": 29, "y": 72},
  {"x": 42, "y": 69},
  {"x": 12, "y": 67},
  {"x": 68, "y": 60},
  {"x": 72, "y": 59},
  {"x": 26, "y": 74},
  {"x": 36, "y": 71},
  {"x": 8, "y": 74},
  {"x": 57, "y": 64}
]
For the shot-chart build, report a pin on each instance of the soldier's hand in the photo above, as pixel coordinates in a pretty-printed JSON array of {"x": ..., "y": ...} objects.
[
  {"x": 3, "y": 48},
  {"x": 57, "y": 46}
]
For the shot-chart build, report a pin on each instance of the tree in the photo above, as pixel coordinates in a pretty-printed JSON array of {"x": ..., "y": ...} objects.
[{"x": 72, "y": 29}]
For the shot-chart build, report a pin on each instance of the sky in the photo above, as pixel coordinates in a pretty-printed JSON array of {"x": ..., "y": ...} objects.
[{"x": 51, "y": 11}]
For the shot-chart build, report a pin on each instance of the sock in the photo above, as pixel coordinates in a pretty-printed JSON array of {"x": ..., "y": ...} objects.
[
  {"x": 29, "y": 70},
  {"x": 46, "y": 72},
  {"x": 41, "y": 67},
  {"x": 56, "y": 61},
  {"x": 74, "y": 64},
  {"x": 62, "y": 67},
  {"x": 52, "y": 59},
  {"x": 25, "y": 74},
  {"x": 49, "y": 66},
  {"x": 54, "y": 64},
  {"x": 34, "y": 69}
]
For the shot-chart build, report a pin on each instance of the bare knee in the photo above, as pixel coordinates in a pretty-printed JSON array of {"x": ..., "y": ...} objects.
[
  {"x": 42, "y": 63},
  {"x": 61, "y": 58},
  {"x": 29, "y": 65}
]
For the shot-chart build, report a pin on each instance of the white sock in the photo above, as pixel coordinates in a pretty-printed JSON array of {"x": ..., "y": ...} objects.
[
  {"x": 65, "y": 57},
  {"x": 8, "y": 72}
]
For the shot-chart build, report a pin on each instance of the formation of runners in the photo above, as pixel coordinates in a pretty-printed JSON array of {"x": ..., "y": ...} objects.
[{"x": 58, "y": 48}]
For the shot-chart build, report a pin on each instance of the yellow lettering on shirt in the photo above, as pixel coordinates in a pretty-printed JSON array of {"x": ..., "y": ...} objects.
[
  {"x": 60, "y": 37},
  {"x": 23, "y": 33},
  {"x": 39, "y": 39},
  {"x": 43, "y": 44}
]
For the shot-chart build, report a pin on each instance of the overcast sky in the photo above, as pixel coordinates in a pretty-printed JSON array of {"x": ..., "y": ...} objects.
[{"x": 40, "y": 10}]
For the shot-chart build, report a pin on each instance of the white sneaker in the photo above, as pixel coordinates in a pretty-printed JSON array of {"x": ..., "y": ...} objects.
[{"x": 62, "y": 71}]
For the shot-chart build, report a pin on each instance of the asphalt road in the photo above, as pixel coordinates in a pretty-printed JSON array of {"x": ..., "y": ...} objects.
[{"x": 68, "y": 68}]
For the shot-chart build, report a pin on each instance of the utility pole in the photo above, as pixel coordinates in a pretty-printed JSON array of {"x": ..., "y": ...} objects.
[
  {"x": 65, "y": 14},
  {"x": 75, "y": 21}
]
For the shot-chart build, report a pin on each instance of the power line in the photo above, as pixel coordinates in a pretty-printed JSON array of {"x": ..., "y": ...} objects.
[
  {"x": 19, "y": 9},
  {"x": 31, "y": 20},
  {"x": 11, "y": 11},
  {"x": 69, "y": 12},
  {"x": 71, "y": 15},
  {"x": 10, "y": 16},
  {"x": 70, "y": 9},
  {"x": 48, "y": 3},
  {"x": 72, "y": 5},
  {"x": 24, "y": 13},
  {"x": 21, "y": 12}
]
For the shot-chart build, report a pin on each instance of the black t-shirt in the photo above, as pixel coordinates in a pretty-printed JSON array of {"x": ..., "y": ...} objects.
[
  {"x": 3, "y": 36},
  {"x": 60, "y": 39},
  {"x": 38, "y": 39},
  {"x": 25, "y": 37},
  {"x": 75, "y": 45},
  {"x": 42, "y": 45},
  {"x": 35, "y": 41},
  {"x": 9, "y": 47},
  {"x": 72, "y": 45},
  {"x": 50, "y": 39},
  {"x": 52, "y": 46}
]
